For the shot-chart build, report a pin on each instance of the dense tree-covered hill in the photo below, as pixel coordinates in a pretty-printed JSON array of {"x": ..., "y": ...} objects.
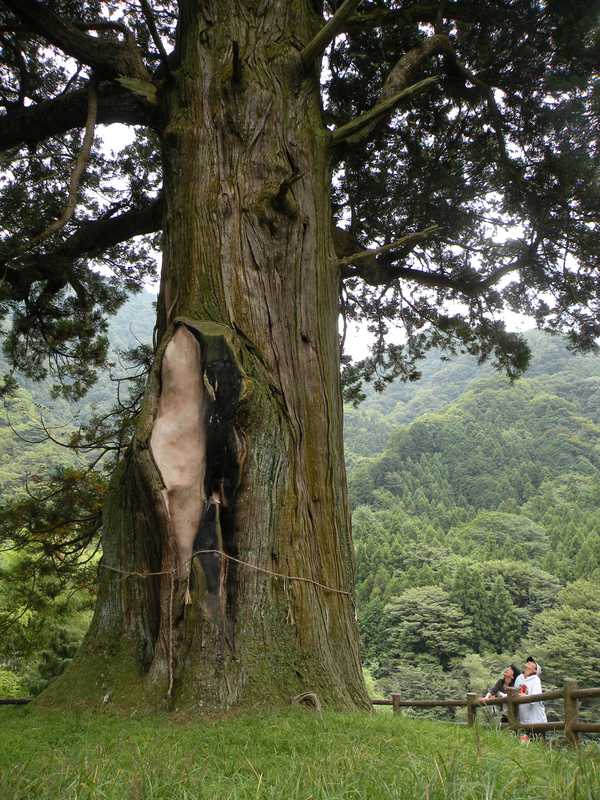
[{"x": 477, "y": 518}]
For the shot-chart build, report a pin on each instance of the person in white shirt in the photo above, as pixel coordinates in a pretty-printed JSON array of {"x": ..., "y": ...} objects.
[{"x": 528, "y": 682}]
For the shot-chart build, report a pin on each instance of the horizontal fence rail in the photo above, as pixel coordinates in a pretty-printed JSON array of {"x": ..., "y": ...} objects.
[
  {"x": 570, "y": 694},
  {"x": 15, "y": 701}
]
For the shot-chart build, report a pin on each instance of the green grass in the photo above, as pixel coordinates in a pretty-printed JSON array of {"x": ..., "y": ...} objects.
[{"x": 285, "y": 756}]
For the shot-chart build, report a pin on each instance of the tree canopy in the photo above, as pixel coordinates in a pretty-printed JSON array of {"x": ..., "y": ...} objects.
[
  {"x": 449, "y": 122},
  {"x": 491, "y": 498}
]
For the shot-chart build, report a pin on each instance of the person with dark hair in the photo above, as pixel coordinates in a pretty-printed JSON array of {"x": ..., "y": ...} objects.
[
  {"x": 529, "y": 683},
  {"x": 500, "y": 688}
]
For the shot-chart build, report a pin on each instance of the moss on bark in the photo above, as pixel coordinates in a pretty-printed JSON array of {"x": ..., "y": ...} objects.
[{"x": 248, "y": 267}]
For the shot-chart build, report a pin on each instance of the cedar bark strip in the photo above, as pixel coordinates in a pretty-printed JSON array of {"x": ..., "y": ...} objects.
[{"x": 249, "y": 274}]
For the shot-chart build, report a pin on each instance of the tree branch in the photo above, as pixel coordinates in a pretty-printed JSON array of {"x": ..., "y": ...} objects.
[
  {"x": 423, "y": 12},
  {"x": 51, "y": 117},
  {"x": 396, "y": 87},
  {"x": 361, "y": 127},
  {"x": 403, "y": 72},
  {"x": 151, "y": 24},
  {"x": 363, "y": 263},
  {"x": 110, "y": 58},
  {"x": 369, "y": 253},
  {"x": 92, "y": 238},
  {"x": 396, "y": 84},
  {"x": 488, "y": 92},
  {"x": 377, "y": 275},
  {"x": 80, "y": 165},
  {"x": 315, "y": 48}
]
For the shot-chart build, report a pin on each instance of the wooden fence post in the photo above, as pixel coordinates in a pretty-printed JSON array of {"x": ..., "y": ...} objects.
[
  {"x": 511, "y": 709},
  {"x": 396, "y": 703},
  {"x": 571, "y": 712},
  {"x": 471, "y": 708}
]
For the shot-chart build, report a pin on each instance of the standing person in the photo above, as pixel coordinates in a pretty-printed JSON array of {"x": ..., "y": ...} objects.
[
  {"x": 500, "y": 688},
  {"x": 529, "y": 683}
]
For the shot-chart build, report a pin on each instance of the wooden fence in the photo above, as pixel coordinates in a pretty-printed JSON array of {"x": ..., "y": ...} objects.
[
  {"x": 570, "y": 694},
  {"x": 15, "y": 701}
]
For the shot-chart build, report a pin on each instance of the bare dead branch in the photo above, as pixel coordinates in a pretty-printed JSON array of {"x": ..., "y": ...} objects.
[
  {"x": 361, "y": 127},
  {"x": 74, "y": 180},
  {"x": 403, "y": 72},
  {"x": 315, "y": 48},
  {"x": 362, "y": 255},
  {"x": 397, "y": 86}
]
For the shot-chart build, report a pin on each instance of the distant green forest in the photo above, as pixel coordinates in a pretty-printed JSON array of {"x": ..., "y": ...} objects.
[
  {"x": 34, "y": 403},
  {"x": 476, "y": 520}
]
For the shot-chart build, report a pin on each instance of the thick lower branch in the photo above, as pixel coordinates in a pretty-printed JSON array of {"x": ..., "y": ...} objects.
[{"x": 53, "y": 117}]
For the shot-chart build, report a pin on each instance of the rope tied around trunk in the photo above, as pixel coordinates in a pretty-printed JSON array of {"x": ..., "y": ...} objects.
[
  {"x": 264, "y": 570},
  {"x": 173, "y": 574}
]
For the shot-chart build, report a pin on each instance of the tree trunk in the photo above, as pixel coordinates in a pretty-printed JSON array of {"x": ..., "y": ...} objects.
[{"x": 234, "y": 490}]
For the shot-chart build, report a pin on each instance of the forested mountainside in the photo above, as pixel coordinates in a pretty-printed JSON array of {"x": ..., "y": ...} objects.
[
  {"x": 477, "y": 521},
  {"x": 24, "y": 448},
  {"x": 476, "y": 517}
]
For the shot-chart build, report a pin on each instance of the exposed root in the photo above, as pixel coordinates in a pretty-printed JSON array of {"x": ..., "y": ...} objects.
[{"x": 308, "y": 700}]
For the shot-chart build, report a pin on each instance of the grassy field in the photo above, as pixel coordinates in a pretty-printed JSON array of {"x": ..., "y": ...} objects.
[{"x": 288, "y": 756}]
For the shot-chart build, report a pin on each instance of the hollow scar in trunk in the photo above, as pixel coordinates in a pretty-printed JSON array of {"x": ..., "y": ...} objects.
[{"x": 178, "y": 441}]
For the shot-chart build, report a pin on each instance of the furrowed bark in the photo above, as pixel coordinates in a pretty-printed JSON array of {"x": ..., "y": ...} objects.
[{"x": 234, "y": 490}]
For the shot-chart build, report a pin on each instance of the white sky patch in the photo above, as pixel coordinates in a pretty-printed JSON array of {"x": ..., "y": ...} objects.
[
  {"x": 359, "y": 340},
  {"x": 114, "y": 138}
]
